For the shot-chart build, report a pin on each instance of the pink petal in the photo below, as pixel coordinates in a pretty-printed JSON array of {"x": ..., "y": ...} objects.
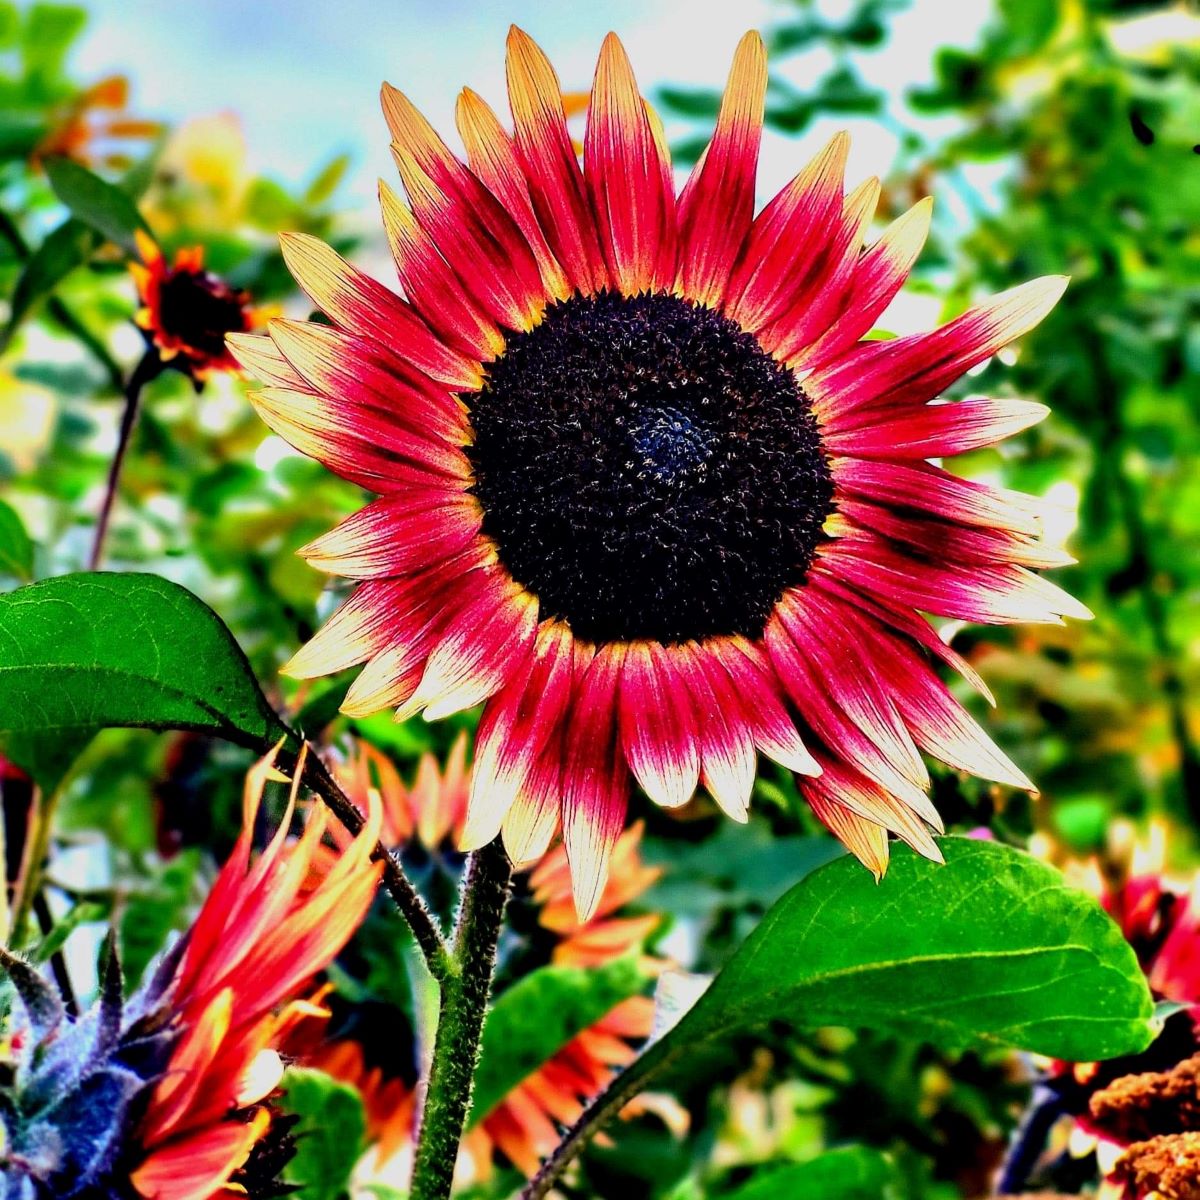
[
  {"x": 595, "y": 780},
  {"x": 932, "y": 430},
  {"x": 717, "y": 204},
  {"x": 517, "y": 725},
  {"x": 360, "y": 628},
  {"x": 656, "y": 722},
  {"x": 912, "y": 370},
  {"x": 788, "y": 240},
  {"x": 876, "y": 279},
  {"x": 361, "y": 304},
  {"x": 346, "y": 367},
  {"x": 432, "y": 287},
  {"x": 471, "y": 228},
  {"x": 492, "y": 156},
  {"x": 628, "y": 181},
  {"x": 482, "y": 643},
  {"x": 396, "y": 535},
  {"x": 727, "y": 760},
  {"x": 555, "y": 180},
  {"x": 359, "y": 444},
  {"x": 816, "y": 306}
]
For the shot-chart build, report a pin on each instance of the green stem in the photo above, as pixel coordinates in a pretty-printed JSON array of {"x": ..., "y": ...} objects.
[
  {"x": 146, "y": 370},
  {"x": 33, "y": 861},
  {"x": 602, "y": 1109},
  {"x": 460, "y": 1022}
]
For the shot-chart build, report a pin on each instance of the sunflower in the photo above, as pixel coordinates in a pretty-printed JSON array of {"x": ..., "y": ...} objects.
[
  {"x": 643, "y": 487},
  {"x": 265, "y": 930},
  {"x": 186, "y": 312},
  {"x": 523, "y": 1126},
  {"x": 167, "y": 1095}
]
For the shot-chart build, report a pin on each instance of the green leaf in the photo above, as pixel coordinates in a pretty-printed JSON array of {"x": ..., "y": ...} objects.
[
  {"x": 47, "y": 758},
  {"x": 535, "y": 1018},
  {"x": 16, "y": 546},
  {"x": 327, "y": 180},
  {"x": 65, "y": 248},
  {"x": 49, "y": 31},
  {"x": 81, "y": 653},
  {"x": 848, "y": 1173},
  {"x": 102, "y": 205},
  {"x": 330, "y": 1135},
  {"x": 991, "y": 948}
]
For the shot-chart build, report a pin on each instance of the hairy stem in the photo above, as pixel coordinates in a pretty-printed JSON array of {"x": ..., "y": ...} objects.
[
  {"x": 406, "y": 897},
  {"x": 464, "y": 1004},
  {"x": 602, "y": 1109},
  {"x": 149, "y": 367}
]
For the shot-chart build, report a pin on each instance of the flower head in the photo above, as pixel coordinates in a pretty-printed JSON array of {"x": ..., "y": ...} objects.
[
  {"x": 187, "y": 312},
  {"x": 1108, "y": 1107},
  {"x": 167, "y": 1096},
  {"x": 644, "y": 488},
  {"x": 266, "y": 929}
]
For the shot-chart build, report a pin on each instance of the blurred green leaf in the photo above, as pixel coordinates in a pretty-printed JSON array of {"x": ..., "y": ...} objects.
[
  {"x": 535, "y": 1018},
  {"x": 1030, "y": 23},
  {"x": 65, "y": 248},
  {"x": 848, "y": 1173},
  {"x": 49, "y": 31},
  {"x": 153, "y": 911},
  {"x": 16, "y": 546},
  {"x": 327, "y": 180},
  {"x": 54, "y": 941},
  {"x": 330, "y": 1134},
  {"x": 102, "y": 205},
  {"x": 86, "y": 652},
  {"x": 47, "y": 758}
]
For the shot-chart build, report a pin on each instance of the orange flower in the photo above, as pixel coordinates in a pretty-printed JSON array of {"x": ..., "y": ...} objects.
[
  {"x": 605, "y": 936},
  {"x": 433, "y": 808},
  {"x": 265, "y": 930},
  {"x": 187, "y": 311},
  {"x": 524, "y": 1125},
  {"x": 94, "y": 128}
]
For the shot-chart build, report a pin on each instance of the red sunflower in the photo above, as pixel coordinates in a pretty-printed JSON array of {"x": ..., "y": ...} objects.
[
  {"x": 267, "y": 927},
  {"x": 186, "y": 312},
  {"x": 644, "y": 489}
]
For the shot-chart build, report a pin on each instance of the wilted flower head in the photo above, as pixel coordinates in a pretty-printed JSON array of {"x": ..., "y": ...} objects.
[
  {"x": 644, "y": 488},
  {"x": 167, "y": 1097},
  {"x": 1108, "y": 1106},
  {"x": 187, "y": 312}
]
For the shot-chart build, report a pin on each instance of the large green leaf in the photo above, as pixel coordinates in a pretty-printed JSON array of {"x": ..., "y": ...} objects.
[
  {"x": 536, "y": 1017},
  {"x": 96, "y": 202},
  {"x": 330, "y": 1134},
  {"x": 81, "y": 653},
  {"x": 991, "y": 948},
  {"x": 848, "y": 1173}
]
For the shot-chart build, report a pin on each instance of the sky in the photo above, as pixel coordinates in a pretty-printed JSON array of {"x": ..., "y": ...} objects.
[{"x": 304, "y": 75}]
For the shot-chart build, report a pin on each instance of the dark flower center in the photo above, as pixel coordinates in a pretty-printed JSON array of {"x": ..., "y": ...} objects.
[
  {"x": 648, "y": 470},
  {"x": 200, "y": 309}
]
